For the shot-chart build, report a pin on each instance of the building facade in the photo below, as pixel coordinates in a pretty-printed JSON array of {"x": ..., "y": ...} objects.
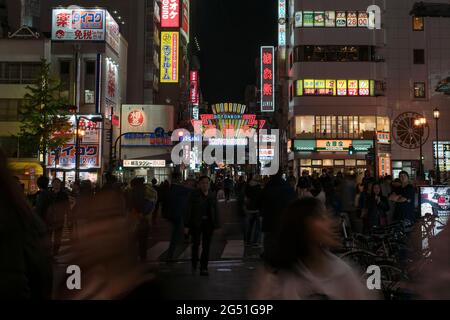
[{"x": 358, "y": 78}]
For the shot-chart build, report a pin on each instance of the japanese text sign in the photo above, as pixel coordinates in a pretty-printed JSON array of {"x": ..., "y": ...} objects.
[{"x": 267, "y": 79}]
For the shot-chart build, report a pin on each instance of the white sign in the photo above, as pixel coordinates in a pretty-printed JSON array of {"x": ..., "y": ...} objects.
[
  {"x": 144, "y": 163},
  {"x": 79, "y": 24},
  {"x": 298, "y": 19},
  {"x": 112, "y": 33},
  {"x": 228, "y": 141},
  {"x": 195, "y": 113},
  {"x": 111, "y": 83},
  {"x": 267, "y": 138},
  {"x": 282, "y": 23}
]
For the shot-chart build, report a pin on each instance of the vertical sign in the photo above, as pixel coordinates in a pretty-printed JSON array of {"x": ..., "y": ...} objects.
[
  {"x": 267, "y": 79},
  {"x": 193, "y": 92},
  {"x": 169, "y": 57},
  {"x": 112, "y": 33},
  {"x": 185, "y": 20},
  {"x": 282, "y": 23},
  {"x": 170, "y": 13}
]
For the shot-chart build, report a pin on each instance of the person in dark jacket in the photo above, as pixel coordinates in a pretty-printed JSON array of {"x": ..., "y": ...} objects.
[
  {"x": 377, "y": 207},
  {"x": 177, "y": 204},
  {"x": 58, "y": 210},
  {"x": 43, "y": 199},
  {"x": 252, "y": 209},
  {"x": 202, "y": 219},
  {"x": 275, "y": 197},
  {"x": 25, "y": 264}
]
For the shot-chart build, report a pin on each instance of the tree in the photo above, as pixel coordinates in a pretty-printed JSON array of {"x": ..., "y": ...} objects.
[{"x": 44, "y": 115}]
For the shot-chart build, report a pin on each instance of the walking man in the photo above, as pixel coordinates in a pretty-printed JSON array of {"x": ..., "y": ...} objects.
[{"x": 202, "y": 219}]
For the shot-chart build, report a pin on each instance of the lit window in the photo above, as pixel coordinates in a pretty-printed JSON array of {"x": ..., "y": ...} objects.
[
  {"x": 418, "y": 24},
  {"x": 419, "y": 89},
  {"x": 304, "y": 124}
]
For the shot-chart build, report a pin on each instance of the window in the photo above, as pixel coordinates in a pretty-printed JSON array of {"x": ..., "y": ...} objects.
[
  {"x": 418, "y": 24},
  {"x": 350, "y": 162},
  {"x": 328, "y": 162},
  {"x": 419, "y": 89},
  {"x": 367, "y": 124},
  {"x": 89, "y": 82},
  {"x": 317, "y": 162},
  {"x": 10, "y": 109},
  {"x": 304, "y": 124},
  {"x": 419, "y": 56},
  {"x": 339, "y": 163},
  {"x": 361, "y": 163},
  {"x": 19, "y": 72},
  {"x": 305, "y": 162},
  {"x": 330, "y": 53},
  {"x": 383, "y": 124}
]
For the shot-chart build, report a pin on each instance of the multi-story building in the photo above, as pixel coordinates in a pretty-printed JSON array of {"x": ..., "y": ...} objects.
[{"x": 355, "y": 84}]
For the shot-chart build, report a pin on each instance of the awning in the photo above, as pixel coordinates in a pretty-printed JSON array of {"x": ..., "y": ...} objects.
[{"x": 23, "y": 167}]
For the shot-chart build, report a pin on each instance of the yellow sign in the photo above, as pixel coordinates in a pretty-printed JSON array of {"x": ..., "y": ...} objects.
[
  {"x": 333, "y": 145},
  {"x": 170, "y": 42},
  {"x": 299, "y": 88}
]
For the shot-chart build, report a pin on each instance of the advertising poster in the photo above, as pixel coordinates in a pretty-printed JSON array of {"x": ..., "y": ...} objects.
[
  {"x": 364, "y": 89},
  {"x": 342, "y": 87},
  {"x": 170, "y": 13},
  {"x": 169, "y": 57},
  {"x": 299, "y": 88},
  {"x": 298, "y": 19},
  {"x": 330, "y": 19},
  {"x": 112, "y": 33},
  {"x": 308, "y": 18},
  {"x": 352, "y": 87},
  {"x": 319, "y": 19},
  {"x": 78, "y": 24},
  {"x": 308, "y": 85},
  {"x": 331, "y": 87},
  {"x": 341, "y": 19},
  {"x": 363, "y": 19},
  {"x": 352, "y": 19},
  {"x": 435, "y": 200}
]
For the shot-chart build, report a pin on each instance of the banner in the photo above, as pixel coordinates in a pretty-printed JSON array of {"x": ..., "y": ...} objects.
[
  {"x": 170, "y": 13},
  {"x": 78, "y": 24},
  {"x": 193, "y": 92},
  {"x": 169, "y": 57},
  {"x": 267, "y": 79}
]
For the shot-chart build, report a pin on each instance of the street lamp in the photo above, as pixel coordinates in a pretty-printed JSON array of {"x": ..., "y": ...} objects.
[
  {"x": 436, "y": 115},
  {"x": 420, "y": 123}
]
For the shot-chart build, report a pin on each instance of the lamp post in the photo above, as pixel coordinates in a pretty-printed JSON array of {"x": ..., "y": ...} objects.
[
  {"x": 436, "y": 115},
  {"x": 420, "y": 123}
]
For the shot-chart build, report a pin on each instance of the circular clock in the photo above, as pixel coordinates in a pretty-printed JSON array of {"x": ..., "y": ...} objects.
[{"x": 406, "y": 134}]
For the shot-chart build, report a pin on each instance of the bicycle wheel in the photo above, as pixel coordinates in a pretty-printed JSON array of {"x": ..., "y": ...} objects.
[{"x": 359, "y": 259}]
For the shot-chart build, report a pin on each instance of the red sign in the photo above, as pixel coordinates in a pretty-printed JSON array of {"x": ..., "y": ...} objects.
[
  {"x": 170, "y": 13},
  {"x": 136, "y": 118},
  {"x": 267, "y": 80},
  {"x": 194, "y": 95},
  {"x": 115, "y": 120}
]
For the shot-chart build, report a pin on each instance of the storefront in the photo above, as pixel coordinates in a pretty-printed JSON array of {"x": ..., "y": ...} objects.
[
  {"x": 61, "y": 162},
  {"x": 27, "y": 172},
  {"x": 347, "y": 156}
]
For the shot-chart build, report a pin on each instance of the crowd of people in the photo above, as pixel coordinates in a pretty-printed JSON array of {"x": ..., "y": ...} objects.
[{"x": 293, "y": 221}]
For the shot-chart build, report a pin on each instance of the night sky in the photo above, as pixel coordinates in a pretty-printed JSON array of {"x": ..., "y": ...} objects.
[{"x": 231, "y": 33}]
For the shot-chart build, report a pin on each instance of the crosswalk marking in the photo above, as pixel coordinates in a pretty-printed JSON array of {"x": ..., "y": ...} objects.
[
  {"x": 157, "y": 250},
  {"x": 233, "y": 249}
]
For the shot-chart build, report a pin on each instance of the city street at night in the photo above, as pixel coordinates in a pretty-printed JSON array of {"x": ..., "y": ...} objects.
[{"x": 212, "y": 158}]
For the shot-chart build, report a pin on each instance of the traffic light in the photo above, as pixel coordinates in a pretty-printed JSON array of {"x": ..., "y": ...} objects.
[{"x": 351, "y": 150}]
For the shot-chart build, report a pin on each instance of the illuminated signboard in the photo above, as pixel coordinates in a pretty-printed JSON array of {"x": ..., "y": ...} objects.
[
  {"x": 193, "y": 92},
  {"x": 79, "y": 24},
  {"x": 282, "y": 23},
  {"x": 112, "y": 33},
  {"x": 267, "y": 79},
  {"x": 319, "y": 19},
  {"x": 170, "y": 13},
  {"x": 90, "y": 147},
  {"x": 332, "y": 19},
  {"x": 352, "y": 19},
  {"x": 195, "y": 113},
  {"x": 384, "y": 137},
  {"x": 144, "y": 163},
  {"x": 227, "y": 141},
  {"x": 332, "y": 145},
  {"x": 304, "y": 145},
  {"x": 298, "y": 19},
  {"x": 266, "y": 154},
  {"x": 169, "y": 57},
  {"x": 332, "y": 87},
  {"x": 185, "y": 20},
  {"x": 308, "y": 18}
]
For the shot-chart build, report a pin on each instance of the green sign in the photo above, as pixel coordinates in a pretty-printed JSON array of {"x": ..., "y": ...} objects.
[
  {"x": 362, "y": 145},
  {"x": 304, "y": 145},
  {"x": 308, "y": 18}
]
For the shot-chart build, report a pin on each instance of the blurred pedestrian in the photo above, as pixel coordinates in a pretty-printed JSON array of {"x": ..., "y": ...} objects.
[
  {"x": 25, "y": 262},
  {"x": 228, "y": 186},
  {"x": 177, "y": 205},
  {"x": 58, "y": 211},
  {"x": 377, "y": 206},
  {"x": 156, "y": 211},
  {"x": 252, "y": 209},
  {"x": 404, "y": 198},
  {"x": 202, "y": 219},
  {"x": 276, "y": 195},
  {"x": 302, "y": 266}
]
